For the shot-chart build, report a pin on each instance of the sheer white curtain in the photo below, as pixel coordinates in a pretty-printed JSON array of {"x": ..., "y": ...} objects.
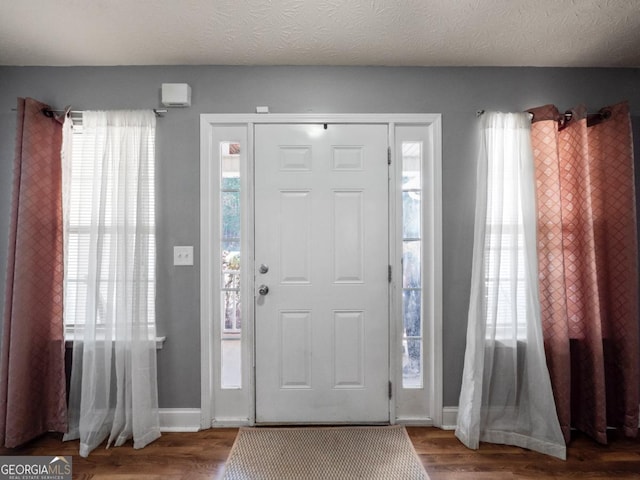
[
  {"x": 109, "y": 285},
  {"x": 506, "y": 394}
]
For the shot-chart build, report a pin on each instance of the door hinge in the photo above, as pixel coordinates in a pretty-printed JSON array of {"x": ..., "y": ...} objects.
[
  {"x": 388, "y": 155},
  {"x": 390, "y": 389},
  {"x": 389, "y": 275}
]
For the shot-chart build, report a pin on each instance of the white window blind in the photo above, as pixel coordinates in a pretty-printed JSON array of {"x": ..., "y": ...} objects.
[
  {"x": 505, "y": 275},
  {"x": 83, "y": 168}
]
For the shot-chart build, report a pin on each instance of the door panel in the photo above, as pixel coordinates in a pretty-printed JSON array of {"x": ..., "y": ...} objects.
[{"x": 322, "y": 330}]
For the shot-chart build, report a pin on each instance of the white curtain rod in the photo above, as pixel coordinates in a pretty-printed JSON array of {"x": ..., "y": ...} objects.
[
  {"x": 158, "y": 111},
  {"x": 479, "y": 113},
  {"x": 567, "y": 115}
]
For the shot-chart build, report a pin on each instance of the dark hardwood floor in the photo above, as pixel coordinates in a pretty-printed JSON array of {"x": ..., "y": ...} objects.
[{"x": 202, "y": 456}]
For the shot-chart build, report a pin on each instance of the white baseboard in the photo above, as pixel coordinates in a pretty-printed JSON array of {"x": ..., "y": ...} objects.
[
  {"x": 414, "y": 422},
  {"x": 449, "y": 418},
  {"x": 179, "y": 419},
  {"x": 188, "y": 420},
  {"x": 230, "y": 422}
]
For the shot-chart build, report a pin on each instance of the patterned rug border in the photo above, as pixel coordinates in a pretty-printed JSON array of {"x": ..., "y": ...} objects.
[{"x": 284, "y": 428}]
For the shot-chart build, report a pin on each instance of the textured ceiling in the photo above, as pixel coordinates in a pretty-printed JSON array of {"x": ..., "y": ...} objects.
[{"x": 600, "y": 33}]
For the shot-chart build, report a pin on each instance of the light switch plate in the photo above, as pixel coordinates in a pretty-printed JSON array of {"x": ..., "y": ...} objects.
[{"x": 183, "y": 255}]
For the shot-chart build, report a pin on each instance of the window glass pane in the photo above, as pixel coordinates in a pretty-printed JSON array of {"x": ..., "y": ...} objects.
[
  {"x": 230, "y": 256},
  {"x": 230, "y": 165},
  {"x": 231, "y": 246},
  {"x": 411, "y": 264},
  {"x": 411, "y": 208},
  {"x": 505, "y": 282},
  {"x": 411, "y": 271},
  {"x": 230, "y": 148},
  {"x": 231, "y": 183},
  {"x": 230, "y": 214},
  {"x": 74, "y": 313},
  {"x": 411, "y": 180},
  {"x": 412, "y": 363},
  {"x": 231, "y": 318},
  {"x": 411, "y": 165},
  {"x": 411, "y": 307},
  {"x": 230, "y": 279}
]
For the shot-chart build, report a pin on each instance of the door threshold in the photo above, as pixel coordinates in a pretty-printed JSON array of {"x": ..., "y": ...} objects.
[{"x": 320, "y": 424}]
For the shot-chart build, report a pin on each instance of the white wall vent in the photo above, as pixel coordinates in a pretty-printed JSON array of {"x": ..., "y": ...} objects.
[{"x": 176, "y": 95}]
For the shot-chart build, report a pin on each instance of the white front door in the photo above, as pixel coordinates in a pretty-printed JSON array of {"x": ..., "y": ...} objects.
[{"x": 321, "y": 250}]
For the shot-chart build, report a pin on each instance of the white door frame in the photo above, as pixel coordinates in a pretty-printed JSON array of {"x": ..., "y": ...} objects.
[{"x": 210, "y": 411}]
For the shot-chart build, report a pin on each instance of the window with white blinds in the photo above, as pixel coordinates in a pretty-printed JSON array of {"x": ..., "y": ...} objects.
[
  {"x": 505, "y": 282},
  {"x": 505, "y": 274},
  {"x": 82, "y": 169}
]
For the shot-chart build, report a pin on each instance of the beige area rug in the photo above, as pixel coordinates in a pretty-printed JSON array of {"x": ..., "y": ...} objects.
[{"x": 326, "y": 453}]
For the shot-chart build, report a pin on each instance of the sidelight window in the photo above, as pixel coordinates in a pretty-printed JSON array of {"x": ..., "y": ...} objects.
[
  {"x": 412, "y": 236},
  {"x": 230, "y": 266}
]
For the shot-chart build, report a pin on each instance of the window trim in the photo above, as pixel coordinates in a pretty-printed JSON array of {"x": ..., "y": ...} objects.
[
  {"x": 410, "y": 409},
  {"x": 79, "y": 229}
]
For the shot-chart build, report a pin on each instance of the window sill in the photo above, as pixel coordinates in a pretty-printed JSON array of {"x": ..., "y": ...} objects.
[{"x": 69, "y": 339}]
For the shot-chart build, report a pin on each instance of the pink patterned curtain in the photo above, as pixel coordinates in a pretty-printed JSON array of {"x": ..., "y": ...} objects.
[
  {"x": 32, "y": 377},
  {"x": 588, "y": 266}
]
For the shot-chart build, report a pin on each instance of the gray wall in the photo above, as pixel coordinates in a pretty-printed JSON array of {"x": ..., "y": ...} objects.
[{"x": 457, "y": 93}]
